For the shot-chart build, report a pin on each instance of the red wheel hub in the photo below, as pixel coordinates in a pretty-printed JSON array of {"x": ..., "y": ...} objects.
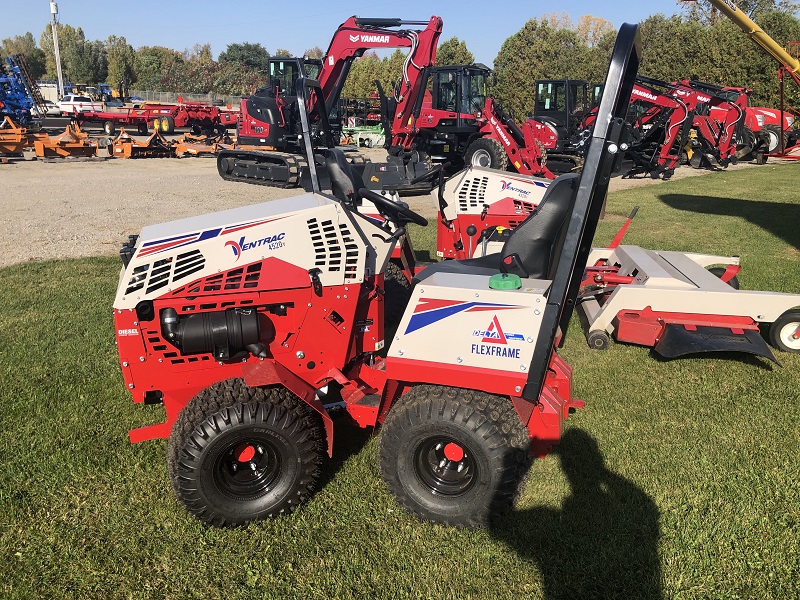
[
  {"x": 245, "y": 453},
  {"x": 454, "y": 452}
]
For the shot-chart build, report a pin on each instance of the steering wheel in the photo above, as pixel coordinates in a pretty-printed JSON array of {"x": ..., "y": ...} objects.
[{"x": 393, "y": 210}]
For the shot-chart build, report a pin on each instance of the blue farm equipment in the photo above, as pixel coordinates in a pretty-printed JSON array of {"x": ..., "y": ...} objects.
[{"x": 19, "y": 93}]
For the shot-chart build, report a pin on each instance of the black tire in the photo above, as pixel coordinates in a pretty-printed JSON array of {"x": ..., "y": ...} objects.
[
  {"x": 454, "y": 456},
  {"x": 720, "y": 271},
  {"x": 746, "y": 145},
  {"x": 781, "y": 332},
  {"x": 167, "y": 125},
  {"x": 238, "y": 454},
  {"x": 109, "y": 127},
  {"x": 397, "y": 290},
  {"x": 774, "y": 136},
  {"x": 141, "y": 128},
  {"x": 597, "y": 340},
  {"x": 488, "y": 153}
]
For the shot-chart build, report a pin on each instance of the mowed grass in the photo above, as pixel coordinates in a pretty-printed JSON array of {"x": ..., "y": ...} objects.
[{"x": 680, "y": 479}]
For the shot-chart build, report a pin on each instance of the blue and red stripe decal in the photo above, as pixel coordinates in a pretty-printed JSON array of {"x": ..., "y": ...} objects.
[
  {"x": 432, "y": 310},
  {"x": 162, "y": 245}
]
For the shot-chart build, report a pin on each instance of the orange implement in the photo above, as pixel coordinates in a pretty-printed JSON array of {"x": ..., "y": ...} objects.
[
  {"x": 73, "y": 142},
  {"x": 13, "y": 139},
  {"x": 124, "y": 146}
]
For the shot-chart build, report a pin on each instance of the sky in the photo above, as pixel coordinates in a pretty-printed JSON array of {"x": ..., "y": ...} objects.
[{"x": 298, "y": 26}]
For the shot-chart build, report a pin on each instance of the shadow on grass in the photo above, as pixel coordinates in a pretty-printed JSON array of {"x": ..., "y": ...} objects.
[
  {"x": 602, "y": 542},
  {"x": 349, "y": 439},
  {"x": 777, "y": 218}
]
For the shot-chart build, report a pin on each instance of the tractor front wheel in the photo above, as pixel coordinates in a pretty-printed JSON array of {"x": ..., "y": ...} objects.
[
  {"x": 454, "y": 456},
  {"x": 784, "y": 333},
  {"x": 487, "y": 153},
  {"x": 239, "y": 454},
  {"x": 774, "y": 136}
]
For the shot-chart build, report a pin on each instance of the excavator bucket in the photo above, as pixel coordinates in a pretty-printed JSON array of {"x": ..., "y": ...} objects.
[
  {"x": 72, "y": 143},
  {"x": 124, "y": 146}
]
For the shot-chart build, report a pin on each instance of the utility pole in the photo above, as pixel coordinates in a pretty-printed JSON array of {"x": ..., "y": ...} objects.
[{"x": 53, "y": 13}]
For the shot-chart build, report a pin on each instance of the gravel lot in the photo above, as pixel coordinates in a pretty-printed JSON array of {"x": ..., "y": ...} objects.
[{"x": 76, "y": 209}]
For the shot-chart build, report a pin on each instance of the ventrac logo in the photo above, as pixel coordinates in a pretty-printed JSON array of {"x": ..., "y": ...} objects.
[
  {"x": 644, "y": 94},
  {"x": 509, "y": 186},
  {"x": 271, "y": 242},
  {"x": 370, "y": 39}
]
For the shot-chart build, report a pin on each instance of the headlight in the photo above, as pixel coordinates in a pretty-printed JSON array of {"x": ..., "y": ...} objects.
[
  {"x": 789, "y": 120},
  {"x": 760, "y": 120}
]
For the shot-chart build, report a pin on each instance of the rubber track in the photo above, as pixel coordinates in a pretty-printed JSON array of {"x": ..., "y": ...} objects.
[{"x": 294, "y": 162}]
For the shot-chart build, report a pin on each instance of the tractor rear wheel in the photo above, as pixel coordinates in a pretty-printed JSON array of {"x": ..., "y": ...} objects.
[
  {"x": 454, "y": 456},
  {"x": 239, "y": 454},
  {"x": 784, "y": 333},
  {"x": 487, "y": 153},
  {"x": 774, "y": 136}
]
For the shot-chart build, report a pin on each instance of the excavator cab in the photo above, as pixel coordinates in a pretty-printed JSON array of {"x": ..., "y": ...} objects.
[
  {"x": 459, "y": 89},
  {"x": 562, "y": 104}
]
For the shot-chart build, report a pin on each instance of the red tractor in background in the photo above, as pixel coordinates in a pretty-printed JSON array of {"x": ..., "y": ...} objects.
[{"x": 452, "y": 119}]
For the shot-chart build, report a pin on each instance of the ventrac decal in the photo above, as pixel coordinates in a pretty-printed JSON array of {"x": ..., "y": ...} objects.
[
  {"x": 508, "y": 186},
  {"x": 494, "y": 341},
  {"x": 164, "y": 244},
  {"x": 271, "y": 242},
  {"x": 431, "y": 310}
]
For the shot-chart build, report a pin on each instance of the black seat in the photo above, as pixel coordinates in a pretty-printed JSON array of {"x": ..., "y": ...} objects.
[
  {"x": 533, "y": 247},
  {"x": 345, "y": 180}
]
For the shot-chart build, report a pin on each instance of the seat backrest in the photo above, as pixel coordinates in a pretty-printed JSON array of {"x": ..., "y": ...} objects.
[
  {"x": 345, "y": 180},
  {"x": 537, "y": 241}
]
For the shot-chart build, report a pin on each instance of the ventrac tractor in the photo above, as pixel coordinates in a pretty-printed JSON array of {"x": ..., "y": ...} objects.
[{"x": 250, "y": 325}]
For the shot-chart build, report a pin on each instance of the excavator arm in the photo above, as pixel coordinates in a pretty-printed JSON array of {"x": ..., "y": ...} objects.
[{"x": 356, "y": 35}]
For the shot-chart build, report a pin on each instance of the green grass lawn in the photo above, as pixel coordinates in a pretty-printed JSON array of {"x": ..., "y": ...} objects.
[{"x": 679, "y": 479}]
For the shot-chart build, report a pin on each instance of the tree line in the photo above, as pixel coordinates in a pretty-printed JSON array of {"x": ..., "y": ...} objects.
[{"x": 697, "y": 44}]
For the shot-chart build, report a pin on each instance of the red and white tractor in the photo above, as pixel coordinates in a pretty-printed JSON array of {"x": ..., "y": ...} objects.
[{"x": 248, "y": 325}]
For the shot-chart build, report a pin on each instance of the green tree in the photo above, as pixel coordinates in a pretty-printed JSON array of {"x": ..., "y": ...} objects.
[
  {"x": 68, "y": 37},
  {"x": 152, "y": 64},
  {"x": 86, "y": 62},
  {"x": 674, "y": 48},
  {"x": 251, "y": 56},
  {"x": 315, "y": 52},
  {"x": 360, "y": 81},
  {"x": 454, "y": 52},
  {"x": 26, "y": 44},
  {"x": 121, "y": 60},
  {"x": 282, "y": 52},
  {"x": 537, "y": 51}
]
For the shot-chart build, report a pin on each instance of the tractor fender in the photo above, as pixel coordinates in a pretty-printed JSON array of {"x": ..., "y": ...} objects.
[{"x": 263, "y": 372}]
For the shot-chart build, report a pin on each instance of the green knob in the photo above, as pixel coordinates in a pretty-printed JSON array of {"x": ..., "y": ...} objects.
[{"x": 505, "y": 281}]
